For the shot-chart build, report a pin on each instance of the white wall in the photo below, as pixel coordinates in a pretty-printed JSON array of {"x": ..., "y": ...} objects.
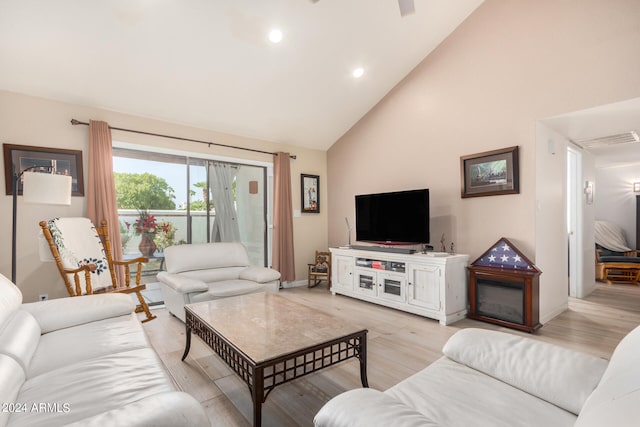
[
  {"x": 588, "y": 233},
  {"x": 551, "y": 221},
  {"x": 614, "y": 199},
  {"x": 26, "y": 120},
  {"x": 510, "y": 64}
]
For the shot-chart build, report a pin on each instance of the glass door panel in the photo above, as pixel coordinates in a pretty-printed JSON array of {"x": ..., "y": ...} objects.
[
  {"x": 198, "y": 216},
  {"x": 251, "y": 199}
]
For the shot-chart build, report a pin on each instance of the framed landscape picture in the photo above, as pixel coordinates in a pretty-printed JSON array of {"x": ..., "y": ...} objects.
[
  {"x": 490, "y": 173},
  {"x": 310, "y": 189},
  {"x": 17, "y": 158}
]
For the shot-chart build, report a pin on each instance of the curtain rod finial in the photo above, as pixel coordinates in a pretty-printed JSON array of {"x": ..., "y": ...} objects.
[
  {"x": 293, "y": 156},
  {"x": 74, "y": 122}
]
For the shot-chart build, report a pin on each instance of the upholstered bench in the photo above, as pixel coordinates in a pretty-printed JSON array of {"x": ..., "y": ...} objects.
[{"x": 208, "y": 271}]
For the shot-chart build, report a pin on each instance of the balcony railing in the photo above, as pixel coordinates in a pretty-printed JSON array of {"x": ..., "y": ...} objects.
[{"x": 177, "y": 218}]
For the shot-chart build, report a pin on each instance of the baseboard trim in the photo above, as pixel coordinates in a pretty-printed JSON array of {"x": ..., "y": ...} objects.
[{"x": 294, "y": 284}]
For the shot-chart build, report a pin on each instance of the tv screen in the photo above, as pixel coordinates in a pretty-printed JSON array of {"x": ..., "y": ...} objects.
[{"x": 400, "y": 217}]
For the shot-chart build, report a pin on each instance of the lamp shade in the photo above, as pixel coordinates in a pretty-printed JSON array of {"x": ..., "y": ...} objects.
[{"x": 46, "y": 188}]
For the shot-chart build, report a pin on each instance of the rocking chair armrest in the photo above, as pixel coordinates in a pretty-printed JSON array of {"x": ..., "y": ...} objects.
[
  {"x": 62, "y": 313},
  {"x": 131, "y": 261},
  {"x": 89, "y": 267}
]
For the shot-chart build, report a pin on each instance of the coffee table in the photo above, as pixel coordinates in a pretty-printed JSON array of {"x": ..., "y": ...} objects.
[{"x": 269, "y": 340}]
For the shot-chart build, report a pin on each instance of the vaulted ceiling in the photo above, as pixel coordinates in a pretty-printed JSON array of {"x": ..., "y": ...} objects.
[{"x": 210, "y": 64}]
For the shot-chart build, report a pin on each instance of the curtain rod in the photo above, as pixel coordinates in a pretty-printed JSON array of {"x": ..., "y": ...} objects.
[{"x": 78, "y": 122}]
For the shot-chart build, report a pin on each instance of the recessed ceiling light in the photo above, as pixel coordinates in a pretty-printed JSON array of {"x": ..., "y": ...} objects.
[
  {"x": 275, "y": 36},
  {"x": 358, "y": 72}
]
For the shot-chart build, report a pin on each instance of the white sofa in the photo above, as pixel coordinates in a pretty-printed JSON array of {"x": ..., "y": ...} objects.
[
  {"x": 488, "y": 378},
  {"x": 208, "y": 271},
  {"x": 83, "y": 361}
]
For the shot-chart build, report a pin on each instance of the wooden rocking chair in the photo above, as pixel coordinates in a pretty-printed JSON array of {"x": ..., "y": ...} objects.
[
  {"x": 320, "y": 270},
  {"x": 82, "y": 253}
]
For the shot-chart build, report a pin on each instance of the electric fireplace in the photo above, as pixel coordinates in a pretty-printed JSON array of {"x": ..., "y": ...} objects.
[{"x": 504, "y": 288}]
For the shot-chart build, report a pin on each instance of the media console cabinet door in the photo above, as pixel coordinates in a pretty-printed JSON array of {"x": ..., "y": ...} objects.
[
  {"x": 424, "y": 286},
  {"x": 343, "y": 270},
  {"x": 391, "y": 286}
]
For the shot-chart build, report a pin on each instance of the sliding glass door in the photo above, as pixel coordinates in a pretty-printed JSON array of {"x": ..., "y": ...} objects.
[{"x": 192, "y": 200}]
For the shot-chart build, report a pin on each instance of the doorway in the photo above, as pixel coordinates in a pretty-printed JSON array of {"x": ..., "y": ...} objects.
[{"x": 574, "y": 220}]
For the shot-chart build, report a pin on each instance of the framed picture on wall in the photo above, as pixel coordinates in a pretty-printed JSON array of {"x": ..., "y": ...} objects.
[
  {"x": 310, "y": 193},
  {"x": 490, "y": 173},
  {"x": 17, "y": 158}
]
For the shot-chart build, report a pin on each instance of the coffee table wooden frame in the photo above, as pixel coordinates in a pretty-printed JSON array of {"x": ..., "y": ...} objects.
[{"x": 264, "y": 376}]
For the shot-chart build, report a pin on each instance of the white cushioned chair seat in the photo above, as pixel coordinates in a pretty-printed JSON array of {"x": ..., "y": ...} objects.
[
  {"x": 228, "y": 288},
  {"x": 94, "y": 386},
  {"x": 466, "y": 400},
  {"x": 96, "y": 339},
  {"x": 558, "y": 375},
  {"x": 208, "y": 271}
]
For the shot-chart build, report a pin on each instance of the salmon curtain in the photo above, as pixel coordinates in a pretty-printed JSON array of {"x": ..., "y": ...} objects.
[
  {"x": 101, "y": 194},
  {"x": 283, "y": 259}
]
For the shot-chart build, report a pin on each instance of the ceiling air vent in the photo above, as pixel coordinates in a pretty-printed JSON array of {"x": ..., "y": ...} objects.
[{"x": 608, "y": 141}]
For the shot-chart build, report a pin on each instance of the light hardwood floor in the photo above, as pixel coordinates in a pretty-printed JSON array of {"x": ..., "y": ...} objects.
[{"x": 399, "y": 344}]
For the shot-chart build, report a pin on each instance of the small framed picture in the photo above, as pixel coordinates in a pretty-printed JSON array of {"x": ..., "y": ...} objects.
[
  {"x": 490, "y": 173},
  {"x": 310, "y": 193},
  {"x": 17, "y": 158}
]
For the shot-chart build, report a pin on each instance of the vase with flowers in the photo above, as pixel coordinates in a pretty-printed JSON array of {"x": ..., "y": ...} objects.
[{"x": 145, "y": 226}]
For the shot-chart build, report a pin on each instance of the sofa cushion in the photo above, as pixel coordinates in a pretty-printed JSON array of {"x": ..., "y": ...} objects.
[
  {"x": 214, "y": 274},
  {"x": 259, "y": 274},
  {"x": 19, "y": 338},
  {"x": 558, "y": 375},
  {"x": 615, "y": 402},
  {"x": 368, "y": 407},
  {"x": 78, "y": 310},
  {"x": 184, "y": 410},
  {"x": 452, "y": 394},
  {"x": 620, "y": 259},
  {"x": 88, "y": 388},
  {"x": 67, "y": 347},
  {"x": 10, "y": 299},
  {"x": 11, "y": 379},
  {"x": 228, "y": 288},
  {"x": 203, "y": 256}
]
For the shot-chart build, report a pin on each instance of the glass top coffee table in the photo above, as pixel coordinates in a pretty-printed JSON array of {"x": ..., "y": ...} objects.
[{"x": 269, "y": 340}]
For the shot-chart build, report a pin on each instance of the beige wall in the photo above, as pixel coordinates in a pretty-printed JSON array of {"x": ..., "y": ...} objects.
[
  {"x": 508, "y": 65},
  {"x": 26, "y": 120}
]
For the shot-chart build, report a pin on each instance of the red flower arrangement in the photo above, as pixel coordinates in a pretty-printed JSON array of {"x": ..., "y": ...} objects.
[{"x": 145, "y": 223}]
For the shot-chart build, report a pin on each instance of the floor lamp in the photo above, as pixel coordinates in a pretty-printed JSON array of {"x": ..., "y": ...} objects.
[{"x": 43, "y": 188}]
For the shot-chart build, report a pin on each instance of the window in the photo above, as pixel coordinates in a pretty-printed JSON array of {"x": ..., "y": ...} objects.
[{"x": 191, "y": 200}]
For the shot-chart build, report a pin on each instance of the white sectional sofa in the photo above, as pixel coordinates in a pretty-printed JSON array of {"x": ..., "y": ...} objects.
[
  {"x": 208, "y": 271},
  {"x": 493, "y": 379},
  {"x": 83, "y": 361}
]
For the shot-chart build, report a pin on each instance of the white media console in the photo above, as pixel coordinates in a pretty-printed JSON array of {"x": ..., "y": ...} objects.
[{"x": 432, "y": 285}]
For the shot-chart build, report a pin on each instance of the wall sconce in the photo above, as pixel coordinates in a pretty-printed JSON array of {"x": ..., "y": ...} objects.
[
  {"x": 636, "y": 187},
  {"x": 588, "y": 192}
]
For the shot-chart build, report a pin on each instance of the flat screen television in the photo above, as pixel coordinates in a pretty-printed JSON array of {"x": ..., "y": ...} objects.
[{"x": 397, "y": 218}]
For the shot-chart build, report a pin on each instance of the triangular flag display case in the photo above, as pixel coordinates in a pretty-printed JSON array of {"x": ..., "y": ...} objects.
[{"x": 504, "y": 288}]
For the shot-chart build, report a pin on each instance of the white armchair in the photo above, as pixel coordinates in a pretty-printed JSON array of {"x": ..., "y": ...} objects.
[{"x": 208, "y": 271}]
